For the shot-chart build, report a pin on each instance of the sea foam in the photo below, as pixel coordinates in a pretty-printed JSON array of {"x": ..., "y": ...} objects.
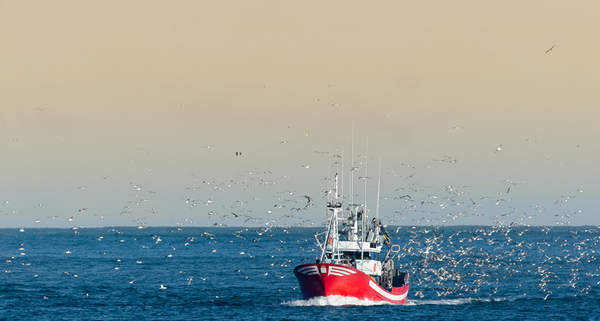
[{"x": 333, "y": 300}]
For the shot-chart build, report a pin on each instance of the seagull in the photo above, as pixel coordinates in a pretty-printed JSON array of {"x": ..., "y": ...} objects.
[
  {"x": 499, "y": 148},
  {"x": 162, "y": 287},
  {"x": 550, "y": 48}
]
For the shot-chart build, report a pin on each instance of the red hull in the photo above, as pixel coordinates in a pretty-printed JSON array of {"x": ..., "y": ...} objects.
[{"x": 317, "y": 279}]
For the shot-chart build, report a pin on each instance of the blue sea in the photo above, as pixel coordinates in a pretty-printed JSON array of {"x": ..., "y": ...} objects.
[{"x": 165, "y": 273}]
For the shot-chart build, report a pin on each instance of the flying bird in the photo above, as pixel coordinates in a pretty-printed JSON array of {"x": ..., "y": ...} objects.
[{"x": 550, "y": 48}]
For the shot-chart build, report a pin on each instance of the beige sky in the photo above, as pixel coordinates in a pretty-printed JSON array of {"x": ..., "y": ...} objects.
[{"x": 84, "y": 86}]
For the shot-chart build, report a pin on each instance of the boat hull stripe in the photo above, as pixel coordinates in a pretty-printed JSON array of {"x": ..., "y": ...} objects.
[{"x": 394, "y": 297}]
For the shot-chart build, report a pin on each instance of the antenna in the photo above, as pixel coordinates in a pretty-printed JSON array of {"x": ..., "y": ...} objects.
[
  {"x": 378, "y": 190},
  {"x": 342, "y": 189},
  {"x": 365, "y": 210},
  {"x": 366, "y": 171},
  {"x": 352, "y": 168},
  {"x": 329, "y": 170}
]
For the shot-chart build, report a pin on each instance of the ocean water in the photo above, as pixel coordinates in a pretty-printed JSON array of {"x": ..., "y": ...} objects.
[{"x": 165, "y": 273}]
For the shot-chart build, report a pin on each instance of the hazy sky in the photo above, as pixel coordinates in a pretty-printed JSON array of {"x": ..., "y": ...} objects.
[{"x": 129, "y": 112}]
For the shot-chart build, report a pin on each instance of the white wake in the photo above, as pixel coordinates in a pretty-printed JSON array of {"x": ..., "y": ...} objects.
[
  {"x": 333, "y": 300},
  {"x": 449, "y": 301}
]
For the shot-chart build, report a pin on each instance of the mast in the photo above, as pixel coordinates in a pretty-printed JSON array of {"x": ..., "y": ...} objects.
[
  {"x": 333, "y": 206},
  {"x": 336, "y": 235},
  {"x": 363, "y": 221}
]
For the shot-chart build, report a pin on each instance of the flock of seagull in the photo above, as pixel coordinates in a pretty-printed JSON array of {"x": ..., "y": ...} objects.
[{"x": 501, "y": 261}]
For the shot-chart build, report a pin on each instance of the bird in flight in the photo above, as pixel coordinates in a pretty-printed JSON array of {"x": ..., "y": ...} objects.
[{"x": 550, "y": 48}]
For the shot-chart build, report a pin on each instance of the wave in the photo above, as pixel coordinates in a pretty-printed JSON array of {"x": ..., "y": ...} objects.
[
  {"x": 336, "y": 300},
  {"x": 333, "y": 300},
  {"x": 450, "y": 301}
]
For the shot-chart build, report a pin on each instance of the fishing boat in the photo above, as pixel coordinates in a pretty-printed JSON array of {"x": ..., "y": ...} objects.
[{"x": 357, "y": 256}]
